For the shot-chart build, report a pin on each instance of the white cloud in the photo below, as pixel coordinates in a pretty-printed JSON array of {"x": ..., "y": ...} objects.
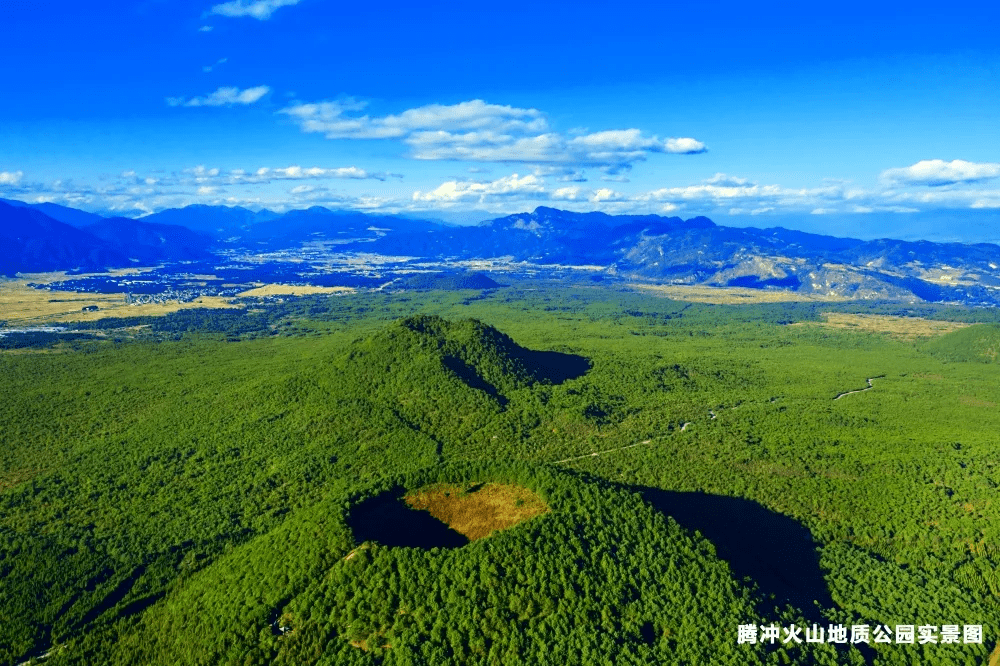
[
  {"x": 330, "y": 119},
  {"x": 685, "y": 146},
  {"x": 614, "y": 144},
  {"x": 986, "y": 203},
  {"x": 605, "y": 194},
  {"x": 201, "y": 174},
  {"x": 10, "y": 177},
  {"x": 205, "y": 28},
  {"x": 225, "y": 96},
  {"x": 481, "y": 132},
  {"x": 260, "y": 9},
  {"x": 724, "y": 180},
  {"x": 572, "y": 193},
  {"x": 616, "y": 149},
  {"x": 298, "y": 173},
  {"x": 510, "y": 186},
  {"x": 938, "y": 172},
  {"x": 209, "y": 68}
]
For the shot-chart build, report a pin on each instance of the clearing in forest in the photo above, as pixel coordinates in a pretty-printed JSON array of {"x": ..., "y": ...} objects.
[
  {"x": 476, "y": 511},
  {"x": 903, "y": 328},
  {"x": 731, "y": 295}
]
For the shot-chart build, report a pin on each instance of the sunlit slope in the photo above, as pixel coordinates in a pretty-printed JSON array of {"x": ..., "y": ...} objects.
[{"x": 976, "y": 343}]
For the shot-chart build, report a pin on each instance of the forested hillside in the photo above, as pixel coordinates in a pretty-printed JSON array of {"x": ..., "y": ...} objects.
[{"x": 186, "y": 491}]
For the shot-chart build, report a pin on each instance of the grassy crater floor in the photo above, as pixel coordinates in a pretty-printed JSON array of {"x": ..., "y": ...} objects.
[{"x": 477, "y": 510}]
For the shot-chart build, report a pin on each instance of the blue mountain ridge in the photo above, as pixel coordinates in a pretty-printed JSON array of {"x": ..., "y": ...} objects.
[{"x": 651, "y": 247}]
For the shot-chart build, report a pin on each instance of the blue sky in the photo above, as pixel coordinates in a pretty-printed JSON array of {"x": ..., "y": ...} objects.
[{"x": 842, "y": 118}]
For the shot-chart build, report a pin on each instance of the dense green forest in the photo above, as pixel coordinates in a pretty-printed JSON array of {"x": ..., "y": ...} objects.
[{"x": 180, "y": 489}]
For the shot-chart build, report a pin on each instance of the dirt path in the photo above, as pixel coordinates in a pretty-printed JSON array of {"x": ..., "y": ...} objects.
[
  {"x": 862, "y": 390},
  {"x": 712, "y": 416},
  {"x": 597, "y": 453}
]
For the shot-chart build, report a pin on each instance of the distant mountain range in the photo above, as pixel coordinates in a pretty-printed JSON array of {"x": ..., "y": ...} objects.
[
  {"x": 32, "y": 241},
  {"x": 646, "y": 247}
]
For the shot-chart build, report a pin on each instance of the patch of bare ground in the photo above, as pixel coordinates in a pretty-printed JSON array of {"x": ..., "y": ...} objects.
[
  {"x": 730, "y": 295},
  {"x": 477, "y": 510},
  {"x": 18, "y": 476},
  {"x": 294, "y": 290},
  {"x": 975, "y": 402},
  {"x": 901, "y": 328},
  {"x": 995, "y": 657},
  {"x": 363, "y": 643}
]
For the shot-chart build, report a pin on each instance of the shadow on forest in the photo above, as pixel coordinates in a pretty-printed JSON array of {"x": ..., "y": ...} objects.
[
  {"x": 777, "y": 552},
  {"x": 386, "y": 519},
  {"x": 554, "y": 367},
  {"x": 468, "y": 374},
  {"x": 548, "y": 367}
]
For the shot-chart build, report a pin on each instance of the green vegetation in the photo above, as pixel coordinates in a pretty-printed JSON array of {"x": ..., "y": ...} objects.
[
  {"x": 177, "y": 491},
  {"x": 976, "y": 343}
]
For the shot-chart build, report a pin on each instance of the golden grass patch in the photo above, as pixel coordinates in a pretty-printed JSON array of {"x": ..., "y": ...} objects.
[
  {"x": 902, "y": 328},
  {"x": 975, "y": 402},
  {"x": 21, "y": 305},
  {"x": 730, "y": 295},
  {"x": 295, "y": 290},
  {"x": 477, "y": 510}
]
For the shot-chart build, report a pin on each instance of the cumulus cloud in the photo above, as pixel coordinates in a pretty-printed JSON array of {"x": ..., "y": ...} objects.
[
  {"x": 202, "y": 175},
  {"x": 10, "y": 177},
  {"x": 617, "y": 149},
  {"x": 936, "y": 173},
  {"x": 605, "y": 194},
  {"x": 612, "y": 144},
  {"x": 571, "y": 193},
  {"x": 724, "y": 180},
  {"x": 512, "y": 186},
  {"x": 299, "y": 173},
  {"x": 259, "y": 9},
  {"x": 481, "y": 132},
  {"x": 987, "y": 203},
  {"x": 224, "y": 96},
  {"x": 484, "y": 120}
]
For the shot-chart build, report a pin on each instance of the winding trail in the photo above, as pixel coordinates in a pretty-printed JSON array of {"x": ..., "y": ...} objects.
[
  {"x": 862, "y": 390},
  {"x": 712, "y": 416},
  {"x": 644, "y": 442},
  {"x": 597, "y": 453}
]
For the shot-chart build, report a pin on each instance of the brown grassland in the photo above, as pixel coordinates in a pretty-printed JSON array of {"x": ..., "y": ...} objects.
[
  {"x": 295, "y": 290},
  {"x": 729, "y": 295},
  {"x": 477, "y": 510},
  {"x": 902, "y": 328},
  {"x": 21, "y": 305}
]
